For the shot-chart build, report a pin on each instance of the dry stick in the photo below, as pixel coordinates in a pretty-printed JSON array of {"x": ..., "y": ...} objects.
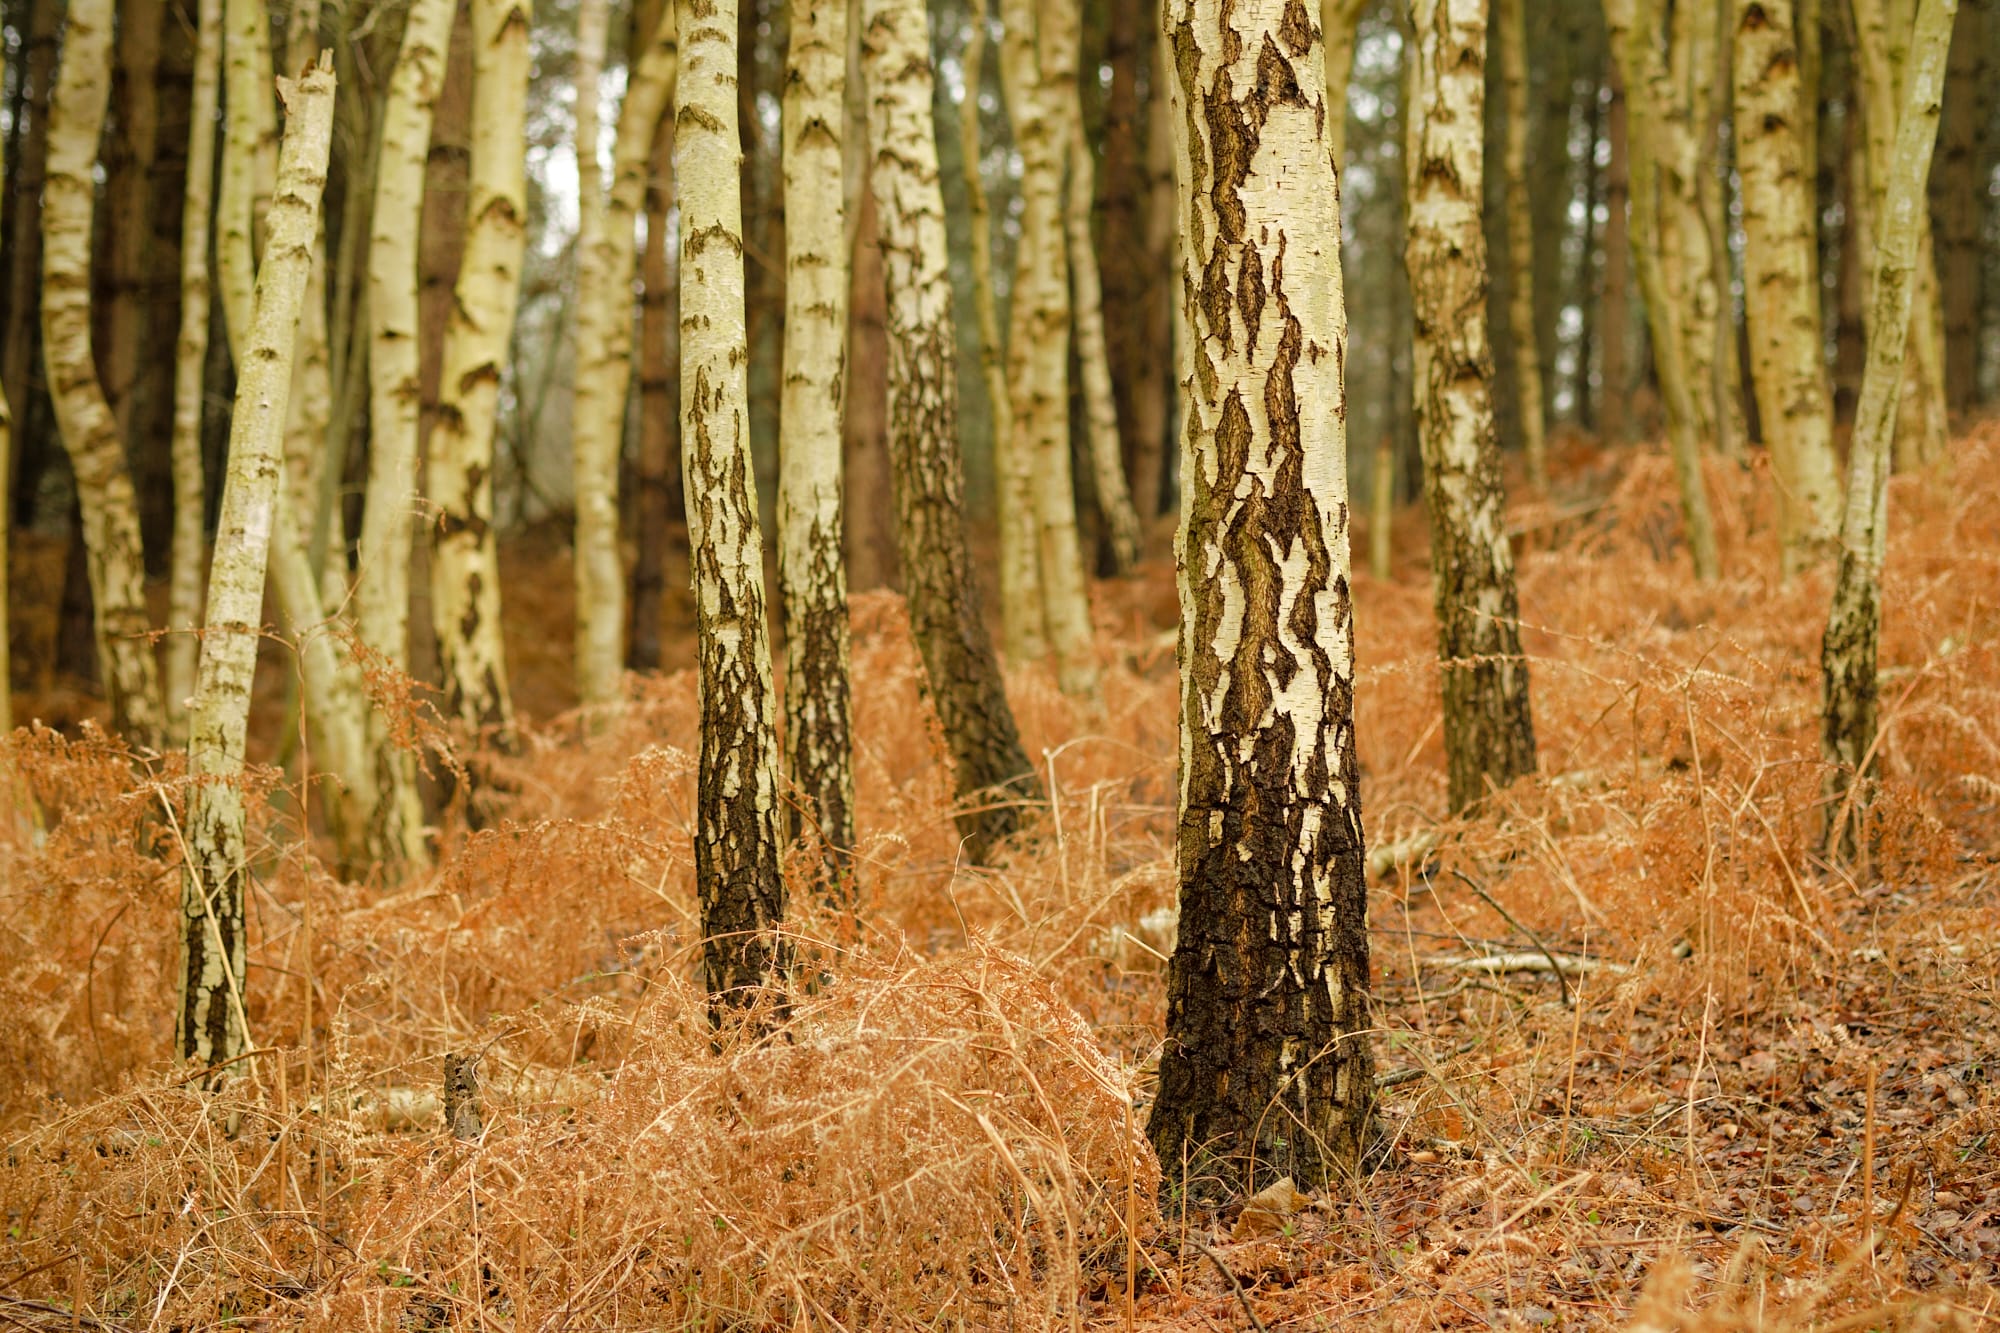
[
  {"x": 1868, "y": 1169},
  {"x": 1234, "y": 1285},
  {"x": 1533, "y": 938}
]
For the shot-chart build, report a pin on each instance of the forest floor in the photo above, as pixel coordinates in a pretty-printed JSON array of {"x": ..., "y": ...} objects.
[{"x": 1764, "y": 1099}]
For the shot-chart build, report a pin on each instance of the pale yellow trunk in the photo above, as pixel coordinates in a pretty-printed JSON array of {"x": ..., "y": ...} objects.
[
  {"x": 90, "y": 435},
  {"x": 465, "y": 561},
  {"x": 1510, "y": 23},
  {"x": 1340, "y": 24},
  {"x": 210, "y": 1019}
]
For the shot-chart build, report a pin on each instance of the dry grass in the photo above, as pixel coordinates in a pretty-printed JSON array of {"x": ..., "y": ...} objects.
[{"x": 1768, "y": 1105}]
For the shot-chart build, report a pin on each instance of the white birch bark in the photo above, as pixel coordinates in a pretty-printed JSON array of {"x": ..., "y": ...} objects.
[{"x": 209, "y": 1022}]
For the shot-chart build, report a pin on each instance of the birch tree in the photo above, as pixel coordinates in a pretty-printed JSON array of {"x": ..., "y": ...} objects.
[
  {"x": 1340, "y": 24},
  {"x": 1489, "y": 736},
  {"x": 1266, "y": 1058},
  {"x": 991, "y": 771},
  {"x": 1780, "y": 280},
  {"x": 209, "y": 1023},
  {"x": 1850, "y": 650},
  {"x": 607, "y": 258},
  {"x": 812, "y": 573},
  {"x": 465, "y": 565},
  {"x": 1510, "y": 22},
  {"x": 737, "y": 840},
  {"x": 89, "y": 432}
]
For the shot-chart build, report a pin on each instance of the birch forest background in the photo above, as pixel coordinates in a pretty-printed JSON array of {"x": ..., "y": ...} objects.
[{"x": 975, "y": 664}]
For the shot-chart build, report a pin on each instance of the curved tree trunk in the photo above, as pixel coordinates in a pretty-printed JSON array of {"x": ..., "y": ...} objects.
[
  {"x": 1781, "y": 298},
  {"x": 1038, "y": 344},
  {"x": 89, "y": 433},
  {"x": 209, "y": 1023},
  {"x": 608, "y": 256},
  {"x": 737, "y": 844},
  {"x": 1849, "y": 653},
  {"x": 1489, "y": 735},
  {"x": 1510, "y": 21},
  {"x": 991, "y": 771},
  {"x": 382, "y": 584},
  {"x": 812, "y": 574},
  {"x": 465, "y": 565},
  {"x": 1266, "y": 1064}
]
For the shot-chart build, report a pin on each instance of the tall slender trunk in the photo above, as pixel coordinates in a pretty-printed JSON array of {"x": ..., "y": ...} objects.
[
  {"x": 1781, "y": 299},
  {"x": 110, "y": 514},
  {"x": 1153, "y": 390},
  {"x": 382, "y": 585},
  {"x": 24, "y": 241},
  {"x": 210, "y": 1020},
  {"x": 1614, "y": 312},
  {"x": 737, "y": 846},
  {"x": 190, "y": 359},
  {"x": 1121, "y": 217},
  {"x": 1489, "y": 735},
  {"x": 1650, "y": 134},
  {"x": 124, "y": 265},
  {"x": 607, "y": 259},
  {"x": 1960, "y": 194},
  {"x": 1512, "y": 38},
  {"x": 1038, "y": 342},
  {"x": 1266, "y": 1065},
  {"x": 6, "y": 508},
  {"x": 1849, "y": 653},
  {"x": 961, "y": 673},
  {"x": 1022, "y": 618},
  {"x": 1582, "y": 285},
  {"x": 1340, "y": 25},
  {"x": 465, "y": 567},
  {"x": 811, "y": 527}
]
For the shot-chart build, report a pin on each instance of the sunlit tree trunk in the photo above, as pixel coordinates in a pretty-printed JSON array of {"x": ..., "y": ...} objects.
[
  {"x": 1266, "y": 1059},
  {"x": 811, "y": 528},
  {"x": 1849, "y": 653},
  {"x": 1489, "y": 735},
  {"x": 1781, "y": 299},
  {"x": 89, "y": 433},
  {"x": 961, "y": 674},
  {"x": 190, "y": 362},
  {"x": 1060, "y": 37},
  {"x": 1510, "y": 23},
  {"x": 1647, "y": 130},
  {"x": 1340, "y": 23},
  {"x": 608, "y": 256},
  {"x": 465, "y": 567},
  {"x": 1038, "y": 342},
  {"x": 209, "y": 1023},
  {"x": 737, "y": 841},
  {"x": 382, "y": 585},
  {"x": 1961, "y": 194},
  {"x": 1023, "y": 622}
]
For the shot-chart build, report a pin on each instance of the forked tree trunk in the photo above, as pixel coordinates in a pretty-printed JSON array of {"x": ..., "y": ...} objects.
[
  {"x": 89, "y": 433},
  {"x": 737, "y": 841},
  {"x": 1024, "y": 624},
  {"x": 1647, "y": 129},
  {"x": 1510, "y": 22},
  {"x": 1489, "y": 735},
  {"x": 1038, "y": 343},
  {"x": 812, "y": 572},
  {"x": 190, "y": 362},
  {"x": 991, "y": 772},
  {"x": 465, "y": 565},
  {"x": 209, "y": 1023},
  {"x": 1849, "y": 653},
  {"x": 1781, "y": 297},
  {"x": 1266, "y": 1064},
  {"x": 382, "y": 585},
  {"x": 608, "y": 256}
]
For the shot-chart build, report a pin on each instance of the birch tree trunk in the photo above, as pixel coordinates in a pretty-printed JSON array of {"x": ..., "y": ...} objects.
[
  {"x": 1510, "y": 20},
  {"x": 1038, "y": 343},
  {"x": 1639, "y": 62},
  {"x": 465, "y": 565},
  {"x": 190, "y": 363},
  {"x": 1781, "y": 296},
  {"x": 811, "y": 528},
  {"x": 737, "y": 845},
  {"x": 1266, "y": 1064},
  {"x": 1022, "y": 617},
  {"x": 382, "y": 585},
  {"x": 209, "y": 1023},
  {"x": 248, "y": 145},
  {"x": 1849, "y": 652},
  {"x": 608, "y": 257},
  {"x": 1489, "y": 735},
  {"x": 991, "y": 772},
  {"x": 89, "y": 433},
  {"x": 1340, "y": 24}
]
